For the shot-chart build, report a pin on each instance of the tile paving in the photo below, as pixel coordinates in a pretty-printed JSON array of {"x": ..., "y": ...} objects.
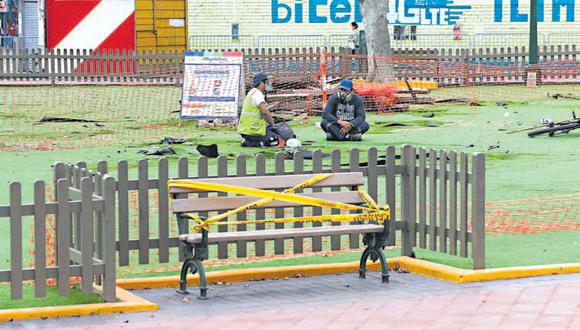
[{"x": 346, "y": 302}]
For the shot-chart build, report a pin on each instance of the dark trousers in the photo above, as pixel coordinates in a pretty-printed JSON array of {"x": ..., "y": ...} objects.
[
  {"x": 334, "y": 129},
  {"x": 260, "y": 138}
]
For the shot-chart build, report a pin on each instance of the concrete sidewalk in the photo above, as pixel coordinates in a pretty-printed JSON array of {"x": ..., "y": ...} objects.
[{"x": 346, "y": 302}]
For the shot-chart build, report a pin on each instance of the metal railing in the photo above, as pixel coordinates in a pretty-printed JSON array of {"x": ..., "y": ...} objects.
[
  {"x": 272, "y": 41},
  {"x": 419, "y": 40},
  {"x": 221, "y": 41}
]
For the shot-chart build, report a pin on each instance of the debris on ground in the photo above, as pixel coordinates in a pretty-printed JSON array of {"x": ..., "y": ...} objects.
[
  {"x": 215, "y": 123},
  {"x": 567, "y": 96},
  {"x": 493, "y": 147},
  {"x": 66, "y": 120},
  {"x": 154, "y": 126},
  {"x": 210, "y": 151},
  {"x": 501, "y": 104},
  {"x": 432, "y": 125},
  {"x": 454, "y": 100},
  {"x": 431, "y": 115},
  {"x": 172, "y": 140},
  {"x": 549, "y": 124},
  {"x": 395, "y": 125},
  {"x": 562, "y": 127},
  {"x": 470, "y": 146},
  {"x": 157, "y": 151}
]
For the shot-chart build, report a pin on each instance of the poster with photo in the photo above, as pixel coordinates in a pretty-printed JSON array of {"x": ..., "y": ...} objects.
[{"x": 211, "y": 85}]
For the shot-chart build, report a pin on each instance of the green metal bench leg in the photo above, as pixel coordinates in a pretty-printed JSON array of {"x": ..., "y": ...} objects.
[
  {"x": 375, "y": 253},
  {"x": 196, "y": 267},
  {"x": 202, "y": 280},
  {"x": 384, "y": 265},
  {"x": 187, "y": 263},
  {"x": 362, "y": 270}
]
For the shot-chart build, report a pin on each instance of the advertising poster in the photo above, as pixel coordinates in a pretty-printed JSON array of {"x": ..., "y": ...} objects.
[{"x": 211, "y": 85}]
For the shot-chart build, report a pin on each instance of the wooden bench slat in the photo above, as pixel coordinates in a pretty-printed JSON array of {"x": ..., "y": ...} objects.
[
  {"x": 229, "y": 203},
  {"x": 280, "y": 181},
  {"x": 282, "y": 233}
]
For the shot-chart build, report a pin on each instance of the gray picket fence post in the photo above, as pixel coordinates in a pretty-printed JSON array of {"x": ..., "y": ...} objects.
[
  {"x": 406, "y": 199},
  {"x": 478, "y": 210},
  {"x": 109, "y": 239}
]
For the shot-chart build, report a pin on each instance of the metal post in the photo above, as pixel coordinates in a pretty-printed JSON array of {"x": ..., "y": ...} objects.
[{"x": 533, "y": 32}]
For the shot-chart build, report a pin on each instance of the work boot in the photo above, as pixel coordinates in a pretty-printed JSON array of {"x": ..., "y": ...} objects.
[
  {"x": 245, "y": 143},
  {"x": 354, "y": 137}
]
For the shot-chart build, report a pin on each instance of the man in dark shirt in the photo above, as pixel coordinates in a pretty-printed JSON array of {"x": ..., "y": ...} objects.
[{"x": 344, "y": 115}]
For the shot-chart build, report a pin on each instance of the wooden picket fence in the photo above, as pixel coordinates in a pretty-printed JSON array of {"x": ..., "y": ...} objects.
[
  {"x": 559, "y": 64},
  {"x": 441, "y": 200},
  {"x": 76, "y": 66},
  {"x": 84, "y": 227},
  {"x": 439, "y": 206}
]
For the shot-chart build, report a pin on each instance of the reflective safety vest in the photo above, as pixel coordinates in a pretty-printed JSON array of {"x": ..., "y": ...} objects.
[{"x": 251, "y": 121}]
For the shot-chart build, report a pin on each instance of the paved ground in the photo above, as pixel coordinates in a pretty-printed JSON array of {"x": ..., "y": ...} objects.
[{"x": 346, "y": 302}]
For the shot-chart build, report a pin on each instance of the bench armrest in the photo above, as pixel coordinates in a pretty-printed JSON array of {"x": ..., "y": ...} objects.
[
  {"x": 183, "y": 222},
  {"x": 183, "y": 226}
]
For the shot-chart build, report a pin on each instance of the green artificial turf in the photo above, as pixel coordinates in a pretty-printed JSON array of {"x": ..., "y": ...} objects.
[
  {"x": 52, "y": 298},
  {"x": 518, "y": 167},
  {"x": 503, "y": 250}
]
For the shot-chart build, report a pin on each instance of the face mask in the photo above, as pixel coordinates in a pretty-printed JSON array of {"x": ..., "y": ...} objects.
[
  {"x": 269, "y": 87},
  {"x": 344, "y": 96}
]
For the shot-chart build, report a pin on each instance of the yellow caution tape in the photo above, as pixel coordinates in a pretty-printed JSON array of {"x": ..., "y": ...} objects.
[
  {"x": 380, "y": 217},
  {"x": 297, "y": 199},
  {"x": 260, "y": 203},
  {"x": 375, "y": 212},
  {"x": 368, "y": 199}
]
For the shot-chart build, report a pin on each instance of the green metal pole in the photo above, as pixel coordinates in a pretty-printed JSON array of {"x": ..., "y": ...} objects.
[{"x": 533, "y": 32}]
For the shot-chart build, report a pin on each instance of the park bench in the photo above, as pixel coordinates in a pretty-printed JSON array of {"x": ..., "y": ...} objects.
[{"x": 187, "y": 200}]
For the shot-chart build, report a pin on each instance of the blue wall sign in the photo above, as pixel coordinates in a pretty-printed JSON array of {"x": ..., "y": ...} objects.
[
  {"x": 413, "y": 12},
  {"x": 517, "y": 10},
  {"x": 401, "y": 12}
]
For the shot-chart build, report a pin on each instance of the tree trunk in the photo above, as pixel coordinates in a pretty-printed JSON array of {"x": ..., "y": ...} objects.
[{"x": 378, "y": 42}]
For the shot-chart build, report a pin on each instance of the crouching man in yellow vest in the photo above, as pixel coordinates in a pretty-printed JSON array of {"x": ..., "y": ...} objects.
[{"x": 256, "y": 125}]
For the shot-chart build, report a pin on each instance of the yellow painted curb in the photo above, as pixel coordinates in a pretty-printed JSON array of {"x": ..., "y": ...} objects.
[
  {"x": 250, "y": 274},
  {"x": 519, "y": 272},
  {"x": 415, "y": 266},
  {"x": 128, "y": 303}
]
